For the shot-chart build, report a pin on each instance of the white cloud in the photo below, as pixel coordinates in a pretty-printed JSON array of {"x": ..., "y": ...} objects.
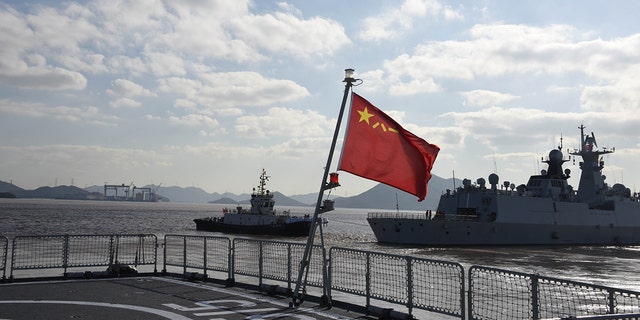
[
  {"x": 129, "y": 88},
  {"x": 485, "y": 98},
  {"x": 396, "y": 21},
  {"x": 233, "y": 89},
  {"x": 499, "y": 50},
  {"x": 44, "y": 78},
  {"x": 164, "y": 64},
  {"x": 185, "y": 104},
  {"x": 283, "y": 122},
  {"x": 620, "y": 97},
  {"x": 194, "y": 120},
  {"x": 125, "y": 103},
  {"x": 85, "y": 115},
  {"x": 283, "y": 32}
]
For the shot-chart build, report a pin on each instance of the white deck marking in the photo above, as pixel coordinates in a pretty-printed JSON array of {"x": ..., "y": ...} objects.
[{"x": 162, "y": 313}]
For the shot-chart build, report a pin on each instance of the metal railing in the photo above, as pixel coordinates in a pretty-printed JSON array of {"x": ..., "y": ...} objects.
[
  {"x": 400, "y": 281},
  {"x": 268, "y": 263},
  {"x": 70, "y": 251},
  {"x": 431, "y": 285},
  {"x": 206, "y": 253},
  {"x": 499, "y": 294}
]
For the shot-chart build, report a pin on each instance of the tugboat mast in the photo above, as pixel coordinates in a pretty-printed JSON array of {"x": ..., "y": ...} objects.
[{"x": 263, "y": 182}]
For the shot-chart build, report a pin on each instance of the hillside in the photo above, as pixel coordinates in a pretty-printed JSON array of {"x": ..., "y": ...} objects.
[
  {"x": 384, "y": 197},
  {"x": 379, "y": 197}
]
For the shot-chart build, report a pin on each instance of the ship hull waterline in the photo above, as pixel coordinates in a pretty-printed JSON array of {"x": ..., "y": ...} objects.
[
  {"x": 293, "y": 229},
  {"x": 463, "y": 233}
]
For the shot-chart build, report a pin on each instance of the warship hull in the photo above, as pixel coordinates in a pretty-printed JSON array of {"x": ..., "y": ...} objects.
[
  {"x": 518, "y": 221},
  {"x": 465, "y": 233}
]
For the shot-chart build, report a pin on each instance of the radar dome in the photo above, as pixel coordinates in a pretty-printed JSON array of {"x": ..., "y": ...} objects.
[
  {"x": 493, "y": 178},
  {"x": 619, "y": 188},
  {"x": 555, "y": 155}
]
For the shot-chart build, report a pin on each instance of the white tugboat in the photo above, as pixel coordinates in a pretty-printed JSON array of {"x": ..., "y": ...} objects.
[
  {"x": 547, "y": 211},
  {"x": 261, "y": 218}
]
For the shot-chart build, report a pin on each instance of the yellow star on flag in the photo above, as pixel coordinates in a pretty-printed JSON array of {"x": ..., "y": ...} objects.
[{"x": 365, "y": 115}]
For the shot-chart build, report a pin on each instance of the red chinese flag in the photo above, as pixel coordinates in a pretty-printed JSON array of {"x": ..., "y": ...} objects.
[{"x": 378, "y": 148}]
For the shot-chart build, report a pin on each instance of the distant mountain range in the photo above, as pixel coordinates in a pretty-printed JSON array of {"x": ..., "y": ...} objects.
[{"x": 379, "y": 197}]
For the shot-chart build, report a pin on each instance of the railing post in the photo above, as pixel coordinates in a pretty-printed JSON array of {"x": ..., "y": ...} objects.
[
  {"x": 535, "y": 308},
  {"x": 155, "y": 254},
  {"x": 260, "y": 266},
  {"x": 409, "y": 285},
  {"x": 462, "y": 295},
  {"x": 204, "y": 256},
  {"x": 232, "y": 264},
  {"x": 329, "y": 278},
  {"x": 367, "y": 279},
  {"x": 13, "y": 257},
  {"x": 6, "y": 253},
  {"x": 164, "y": 255},
  {"x": 184, "y": 256},
  {"x": 612, "y": 304},
  {"x": 289, "y": 266},
  {"x": 110, "y": 251},
  {"x": 65, "y": 254}
]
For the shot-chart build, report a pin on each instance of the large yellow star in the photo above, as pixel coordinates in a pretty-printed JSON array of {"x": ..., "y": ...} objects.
[{"x": 365, "y": 115}]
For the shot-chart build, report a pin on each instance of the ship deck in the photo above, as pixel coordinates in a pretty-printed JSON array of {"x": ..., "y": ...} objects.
[{"x": 150, "y": 298}]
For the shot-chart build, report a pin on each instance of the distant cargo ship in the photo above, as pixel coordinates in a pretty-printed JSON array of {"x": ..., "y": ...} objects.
[{"x": 132, "y": 193}]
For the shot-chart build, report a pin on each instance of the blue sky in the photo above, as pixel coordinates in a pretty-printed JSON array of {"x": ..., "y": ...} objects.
[{"x": 207, "y": 93}]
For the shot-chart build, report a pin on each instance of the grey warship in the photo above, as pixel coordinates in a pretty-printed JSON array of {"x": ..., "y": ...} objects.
[
  {"x": 261, "y": 218},
  {"x": 545, "y": 211}
]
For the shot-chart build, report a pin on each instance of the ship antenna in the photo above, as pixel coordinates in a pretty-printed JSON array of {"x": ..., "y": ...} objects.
[
  {"x": 560, "y": 146},
  {"x": 581, "y": 127},
  {"x": 495, "y": 163},
  {"x": 453, "y": 173}
]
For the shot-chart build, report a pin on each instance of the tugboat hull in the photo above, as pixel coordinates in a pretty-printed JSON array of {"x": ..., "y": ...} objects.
[
  {"x": 261, "y": 218},
  {"x": 293, "y": 229}
]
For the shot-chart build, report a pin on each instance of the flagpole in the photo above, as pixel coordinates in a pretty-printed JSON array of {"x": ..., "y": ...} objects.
[{"x": 304, "y": 263}]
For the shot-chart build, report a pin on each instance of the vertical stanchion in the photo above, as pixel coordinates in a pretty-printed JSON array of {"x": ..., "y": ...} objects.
[
  {"x": 65, "y": 254},
  {"x": 289, "y": 264},
  {"x": 204, "y": 256},
  {"x": 409, "y": 267},
  {"x": 184, "y": 256},
  {"x": 535, "y": 306}
]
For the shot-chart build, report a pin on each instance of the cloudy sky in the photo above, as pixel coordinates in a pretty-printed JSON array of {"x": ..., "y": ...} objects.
[{"x": 207, "y": 93}]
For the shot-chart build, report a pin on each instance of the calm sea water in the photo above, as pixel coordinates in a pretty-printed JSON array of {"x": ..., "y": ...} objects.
[{"x": 612, "y": 266}]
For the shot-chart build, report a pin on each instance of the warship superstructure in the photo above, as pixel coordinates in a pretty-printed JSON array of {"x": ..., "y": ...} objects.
[{"x": 545, "y": 211}]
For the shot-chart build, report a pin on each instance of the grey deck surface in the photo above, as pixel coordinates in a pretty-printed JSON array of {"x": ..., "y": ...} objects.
[{"x": 148, "y": 298}]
